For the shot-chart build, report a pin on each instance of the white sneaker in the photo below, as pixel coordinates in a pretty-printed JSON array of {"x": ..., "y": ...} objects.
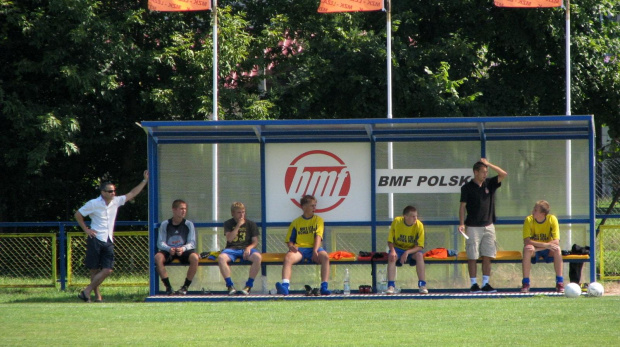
[
  {"x": 390, "y": 290},
  {"x": 423, "y": 290}
]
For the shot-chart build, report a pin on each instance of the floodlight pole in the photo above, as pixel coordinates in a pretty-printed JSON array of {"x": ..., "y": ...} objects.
[
  {"x": 215, "y": 183},
  {"x": 389, "y": 97},
  {"x": 569, "y": 178}
]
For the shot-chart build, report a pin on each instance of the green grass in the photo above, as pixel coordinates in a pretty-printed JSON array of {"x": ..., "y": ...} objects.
[{"x": 39, "y": 316}]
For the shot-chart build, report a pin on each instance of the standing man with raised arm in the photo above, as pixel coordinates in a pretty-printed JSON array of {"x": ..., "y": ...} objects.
[
  {"x": 478, "y": 199},
  {"x": 100, "y": 242}
]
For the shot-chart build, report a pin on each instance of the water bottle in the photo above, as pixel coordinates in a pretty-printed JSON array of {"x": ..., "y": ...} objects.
[
  {"x": 265, "y": 288},
  {"x": 382, "y": 286},
  {"x": 347, "y": 285}
]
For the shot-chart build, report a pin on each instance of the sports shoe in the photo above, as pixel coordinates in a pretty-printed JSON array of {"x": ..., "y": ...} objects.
[
  {"x": 475, "y": 288},
  {"x": 423, "y": 290},
  {"x": 169, "y": 291},
  {"x": 316, "y": 292},
  {"x": 231, "y": 290},
  {"x": 182, "y": 291},
  {"x": 525, "y": 288},
  {"x": 281, "y": 289},
  {"x": 390, "y": 290},
  {"x": 308, "y": 290},
  {"x": 488, "y": 289},
  {"x": 559, "y": 287},
  {"x": 245, "y": 291},
  {"x": 326, "y": 291}
]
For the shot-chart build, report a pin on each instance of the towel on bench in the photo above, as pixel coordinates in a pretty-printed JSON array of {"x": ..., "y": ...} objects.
[{"x": 341, "y": 255}]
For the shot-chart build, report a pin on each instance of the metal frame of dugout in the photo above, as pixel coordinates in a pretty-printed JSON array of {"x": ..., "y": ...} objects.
[{"x": 373, "y": 132}]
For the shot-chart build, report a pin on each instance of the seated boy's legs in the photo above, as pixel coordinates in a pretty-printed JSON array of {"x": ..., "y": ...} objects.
[
  {"x": 418, "y": 257},
  {"x": 189, "y": 257},
  {"x": 323, "y": 260},
  {"x": 160, "y": 261},
  {"x": 231, "y": 255},
  {"x": 289, "y": 259},
  {"x": 530, "y": 252}
]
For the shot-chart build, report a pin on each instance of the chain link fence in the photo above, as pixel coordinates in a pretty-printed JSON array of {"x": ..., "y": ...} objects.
[
  {"x": 28, "y": 260},
  {"x": 608, "y": 230},
  {"x": 131, "y": 259}
]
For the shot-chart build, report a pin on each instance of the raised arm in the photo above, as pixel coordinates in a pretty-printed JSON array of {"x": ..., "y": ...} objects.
[
  {"x": 500, "y": 172},
  {"x": 137, "y": 189}
]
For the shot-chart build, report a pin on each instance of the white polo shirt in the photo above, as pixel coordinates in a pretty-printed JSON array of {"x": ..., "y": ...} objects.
[{"x": 102, "y": 216}]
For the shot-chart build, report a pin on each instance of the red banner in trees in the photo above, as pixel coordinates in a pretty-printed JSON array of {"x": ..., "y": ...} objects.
[
  {"x": 528, "y": 3},
  {"x": 330, "y": 6},
  {"x": 179, "y": 5}
]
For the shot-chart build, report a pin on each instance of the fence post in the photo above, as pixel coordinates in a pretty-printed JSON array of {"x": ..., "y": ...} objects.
[{"x": 62, "y": 256}]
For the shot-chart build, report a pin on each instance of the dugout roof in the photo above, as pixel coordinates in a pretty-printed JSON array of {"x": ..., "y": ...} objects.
[{"x": 364, "y": 130}]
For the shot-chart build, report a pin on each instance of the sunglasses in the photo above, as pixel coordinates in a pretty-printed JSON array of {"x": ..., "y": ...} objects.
[{"x": 110, "y": 191}]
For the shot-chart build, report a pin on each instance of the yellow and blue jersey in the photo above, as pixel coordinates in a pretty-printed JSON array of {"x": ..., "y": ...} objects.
[
  {"x": 541, "y": 232},
  {"x": 302, "y": 231},
  {"x": 406, "y": 236}
]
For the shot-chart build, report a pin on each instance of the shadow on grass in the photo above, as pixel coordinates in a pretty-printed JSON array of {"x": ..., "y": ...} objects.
[{"x": 52, "y": 295}]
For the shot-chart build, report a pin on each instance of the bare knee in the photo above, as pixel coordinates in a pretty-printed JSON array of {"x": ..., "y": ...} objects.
[{"x": 256, "y": 258}]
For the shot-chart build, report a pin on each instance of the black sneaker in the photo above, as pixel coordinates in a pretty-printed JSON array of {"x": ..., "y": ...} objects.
[
  {"x": 475, "y": 288},
  {"x": 231, "y": 290},
  {"x": 182, "y": 291},
  {"x": 169, "y": 291},
  {"x": 488, "y": 289}
]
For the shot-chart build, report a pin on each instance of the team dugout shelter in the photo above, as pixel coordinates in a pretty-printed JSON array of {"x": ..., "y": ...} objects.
[{"x": 363, "y": 172}]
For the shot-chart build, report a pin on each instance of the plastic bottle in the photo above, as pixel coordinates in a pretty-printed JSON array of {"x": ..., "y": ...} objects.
[
  {"x": 347, "y": 285},
  {"x": 382, "y": 286}
]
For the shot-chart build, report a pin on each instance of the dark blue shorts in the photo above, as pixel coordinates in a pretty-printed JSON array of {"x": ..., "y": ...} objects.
[
  {"x": 399, "y": 253},
  {"x": 99, "y": 254},
  {"x": 306, "y": 253},
  {"x": 542, "y": 255}
]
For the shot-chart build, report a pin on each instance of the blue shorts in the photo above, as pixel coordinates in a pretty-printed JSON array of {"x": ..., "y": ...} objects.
[
  {"x": 306, "y": 253},
  {"x": 542, "y": 255},
  {"x": 233, "y": 254},
  {"x": 410, "y": 258}
]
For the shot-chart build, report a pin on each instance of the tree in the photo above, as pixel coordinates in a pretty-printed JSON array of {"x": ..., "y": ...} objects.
[{"x": 77, "y": 75}]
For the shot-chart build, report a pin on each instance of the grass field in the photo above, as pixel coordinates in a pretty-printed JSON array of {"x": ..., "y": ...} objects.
[{"x": 51, "y": 318}]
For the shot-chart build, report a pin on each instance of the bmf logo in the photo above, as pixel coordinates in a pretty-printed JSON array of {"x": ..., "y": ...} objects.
[{"x": 319, "y": 173}]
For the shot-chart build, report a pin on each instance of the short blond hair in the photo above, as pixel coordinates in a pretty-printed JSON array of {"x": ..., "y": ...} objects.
[
  {"x": 542, "y": 206},
  {"x": 236, "y": 206}
]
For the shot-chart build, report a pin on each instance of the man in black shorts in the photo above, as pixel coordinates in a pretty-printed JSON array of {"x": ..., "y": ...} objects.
[
  {"x": 177, "y": 240},
  {"x": 100, "y": 241}
]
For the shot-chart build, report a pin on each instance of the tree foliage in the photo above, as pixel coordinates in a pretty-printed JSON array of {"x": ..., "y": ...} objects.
[{"x": 77, "y": 75}]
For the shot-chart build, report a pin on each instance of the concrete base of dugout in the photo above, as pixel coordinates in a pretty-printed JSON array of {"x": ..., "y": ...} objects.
[{"x": 415, "y": 296}]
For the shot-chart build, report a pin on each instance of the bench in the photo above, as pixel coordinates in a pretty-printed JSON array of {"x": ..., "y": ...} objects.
[{"x": 269, "y": 259}]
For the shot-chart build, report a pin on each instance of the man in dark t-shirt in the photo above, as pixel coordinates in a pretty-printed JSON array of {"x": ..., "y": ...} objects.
[
  {"x": 478, "y": 199},
  {"x": 241, "y": 241}
]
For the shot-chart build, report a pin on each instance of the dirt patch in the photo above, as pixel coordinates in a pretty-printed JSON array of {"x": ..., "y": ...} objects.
[{"x": 612, "y": 288}]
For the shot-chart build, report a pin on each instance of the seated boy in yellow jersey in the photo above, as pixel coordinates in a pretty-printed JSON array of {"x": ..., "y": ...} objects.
[
  {"x": 303, "y": 239},
  {"x": 406, "y": 242},
  {"x": 541, "y": 238}
]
